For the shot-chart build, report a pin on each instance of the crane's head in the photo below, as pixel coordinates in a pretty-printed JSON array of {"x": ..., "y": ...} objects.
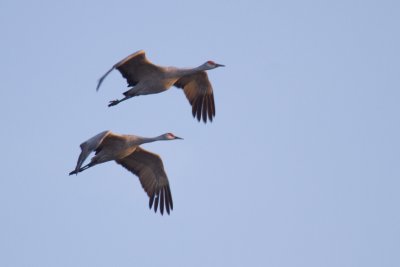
[
  {"x": 212, "y": 65},
  {"x": 170, "y": 136}
]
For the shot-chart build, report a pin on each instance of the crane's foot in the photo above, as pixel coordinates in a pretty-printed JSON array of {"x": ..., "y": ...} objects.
[
  {"x": 114, "y": 102},
  {"x": 73, "y": 172},
  {"x": 87, "y": 166}
]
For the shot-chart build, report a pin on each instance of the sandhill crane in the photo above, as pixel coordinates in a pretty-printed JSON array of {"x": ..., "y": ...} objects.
[
  {"x": 125, "y": 150},
  {"x": 147, "y": 78}
]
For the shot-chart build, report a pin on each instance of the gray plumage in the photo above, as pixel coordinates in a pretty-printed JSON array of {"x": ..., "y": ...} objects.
[
  {"x": 125, "y": 150},
  {"x": 147, "y": 78}
]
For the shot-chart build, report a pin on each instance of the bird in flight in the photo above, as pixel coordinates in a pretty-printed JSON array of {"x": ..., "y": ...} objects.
[
  {"x": 146, "y": 78},
  {"x": 126, "y": 151}
]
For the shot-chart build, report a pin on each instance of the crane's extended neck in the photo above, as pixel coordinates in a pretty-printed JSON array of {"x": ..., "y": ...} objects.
[
  {"x": 138, "y": 140},
  {"x": 179, "y": 72}
]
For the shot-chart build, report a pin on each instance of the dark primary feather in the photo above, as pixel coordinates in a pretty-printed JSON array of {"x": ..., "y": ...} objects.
[
  {"x": 150, "y": 170},
  {"x": 199, "y": 92}
]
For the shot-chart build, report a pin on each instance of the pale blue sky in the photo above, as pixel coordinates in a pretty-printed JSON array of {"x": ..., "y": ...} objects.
[{"x": 299, "y": 168}]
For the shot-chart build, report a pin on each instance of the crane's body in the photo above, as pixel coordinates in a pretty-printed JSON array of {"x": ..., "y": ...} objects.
[
  {"x": 117, "y": 147},
  {"x": 126, "y": 151},
  {"x": 147, "y": 78}
]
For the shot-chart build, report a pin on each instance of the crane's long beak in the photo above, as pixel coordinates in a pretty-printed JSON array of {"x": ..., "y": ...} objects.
[
  {"x": 220, "y": 65},
  {"x": 176, "y": 137}
]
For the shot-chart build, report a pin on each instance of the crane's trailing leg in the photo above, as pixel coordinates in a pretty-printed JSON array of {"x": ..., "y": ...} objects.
[
  {"x": 116, "y": 101},
  {"x": 128, "y": 94},
  {"x": 82, "y": 169},
  {"x": 145, "y": 78}
]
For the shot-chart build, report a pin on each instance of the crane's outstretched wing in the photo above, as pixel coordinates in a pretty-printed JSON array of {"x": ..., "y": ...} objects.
[
  {"x": 150, "y": 170},
  {"x": 133, "y": 68},
  {"x": 199, "y": 92},
  {"x": 89, "y": 146}
]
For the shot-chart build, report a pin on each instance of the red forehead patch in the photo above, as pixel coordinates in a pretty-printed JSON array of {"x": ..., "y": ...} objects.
[{"x": 211, "y": 62}]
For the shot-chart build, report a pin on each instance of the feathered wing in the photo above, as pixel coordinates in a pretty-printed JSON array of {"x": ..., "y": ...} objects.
[
  {"x": 89, "y": 146},
  {"x": 136, "y": 67},
  {"x": 150, "y": 170},
  {"x": 199, "y": 92},
  {"x": 103, "y": 77},
  {"x": 133, "y": 68},
  {"x": 112, "y": 143}
]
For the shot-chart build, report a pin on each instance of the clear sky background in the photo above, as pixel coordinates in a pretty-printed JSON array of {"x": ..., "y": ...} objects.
[{"x": 299, "y": 168}]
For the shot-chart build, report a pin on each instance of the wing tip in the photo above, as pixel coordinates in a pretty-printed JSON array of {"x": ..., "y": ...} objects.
[
  {"x": 100, "y": 81},
  {"x": 162, "y": 200},
  {"x": 139, "y": 52},
  {"x": 203, "y": 108}
]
